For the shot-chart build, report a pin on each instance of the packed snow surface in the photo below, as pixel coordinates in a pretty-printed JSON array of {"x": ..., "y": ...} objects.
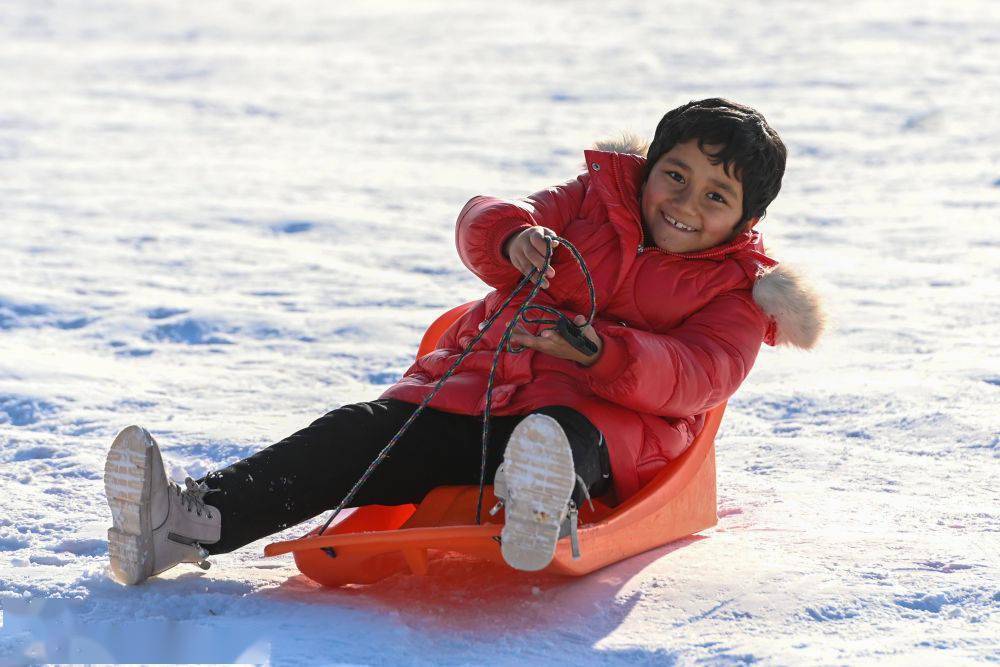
[{"x": 222, "y": 220}]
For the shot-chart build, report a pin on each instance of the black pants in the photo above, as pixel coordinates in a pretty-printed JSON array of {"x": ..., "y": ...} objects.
[{"x": 313, "y": 470}]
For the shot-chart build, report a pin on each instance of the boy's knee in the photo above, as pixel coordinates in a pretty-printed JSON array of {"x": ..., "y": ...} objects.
[
  {"x": 364, "y": 416},
  {"x": 590, "y": 452},
  {"x": 573, "y": 422}
]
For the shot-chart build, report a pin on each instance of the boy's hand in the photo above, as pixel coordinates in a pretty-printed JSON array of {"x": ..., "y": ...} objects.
[
  {"x": 550, "y": 342},
  {"x": 526, "y": 251}
]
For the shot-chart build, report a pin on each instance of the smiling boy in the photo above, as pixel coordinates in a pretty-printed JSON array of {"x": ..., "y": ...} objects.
[{"x": 685, "y": 293}]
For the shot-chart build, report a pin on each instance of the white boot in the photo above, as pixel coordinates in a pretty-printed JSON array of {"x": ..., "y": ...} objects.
[
  {"x": 156, "y": 524},
  {"x": 535, "y": 484}
]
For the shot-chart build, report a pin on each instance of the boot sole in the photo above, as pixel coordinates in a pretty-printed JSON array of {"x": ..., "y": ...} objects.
[
  {"x": 540, "y": 476},
  {"x": 127, "y": 487}
]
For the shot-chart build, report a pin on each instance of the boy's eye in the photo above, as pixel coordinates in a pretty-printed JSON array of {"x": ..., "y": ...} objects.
[
  {"x": 674, "y": 175},
  {"x": 715, "y": 196}
]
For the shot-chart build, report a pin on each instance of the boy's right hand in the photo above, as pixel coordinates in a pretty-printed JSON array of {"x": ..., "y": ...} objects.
[{"x": 526, "y": 251}]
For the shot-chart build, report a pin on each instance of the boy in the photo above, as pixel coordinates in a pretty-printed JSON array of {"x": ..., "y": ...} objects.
[{"x": 685, "y": 297}]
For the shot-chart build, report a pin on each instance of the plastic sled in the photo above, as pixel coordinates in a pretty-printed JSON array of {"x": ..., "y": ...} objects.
[{"x": 377, "y": 541}]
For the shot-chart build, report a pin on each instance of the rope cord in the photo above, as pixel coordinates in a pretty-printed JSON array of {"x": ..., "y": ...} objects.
[{"x": 504, "y": 344}]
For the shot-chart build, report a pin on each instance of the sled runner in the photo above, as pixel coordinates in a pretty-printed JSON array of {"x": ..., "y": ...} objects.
[{"x": 377, "y": 541}]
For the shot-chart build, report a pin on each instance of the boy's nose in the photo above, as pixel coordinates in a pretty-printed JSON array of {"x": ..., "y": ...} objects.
[{"x": 683, "y": 202}]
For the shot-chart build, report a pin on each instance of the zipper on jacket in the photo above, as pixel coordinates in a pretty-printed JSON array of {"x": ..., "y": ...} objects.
[{"x": 613, "y": 163}]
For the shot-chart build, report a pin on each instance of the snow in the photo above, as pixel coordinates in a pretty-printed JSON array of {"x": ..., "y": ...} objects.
[{"x": 222, "y": 220}]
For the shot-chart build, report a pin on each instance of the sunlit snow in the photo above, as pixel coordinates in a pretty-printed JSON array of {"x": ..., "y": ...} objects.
[{"x": 221, "y": 220}]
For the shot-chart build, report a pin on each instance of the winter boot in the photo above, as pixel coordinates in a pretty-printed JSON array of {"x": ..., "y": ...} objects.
[
  {"x": 157, "y": 524},
  {"x": 534, "y": 485}
]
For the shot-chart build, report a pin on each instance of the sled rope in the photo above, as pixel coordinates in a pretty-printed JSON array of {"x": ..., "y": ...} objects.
[{"x": 561, "y": 323}]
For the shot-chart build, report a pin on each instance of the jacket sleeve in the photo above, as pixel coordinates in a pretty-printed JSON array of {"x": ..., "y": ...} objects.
[
  {"x": 485, "y": 224},
  {"x": 684, "y": 371}
]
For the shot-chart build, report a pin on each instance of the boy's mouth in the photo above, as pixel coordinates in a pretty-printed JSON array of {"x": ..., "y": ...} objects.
[{"x": 679, "y": 225}]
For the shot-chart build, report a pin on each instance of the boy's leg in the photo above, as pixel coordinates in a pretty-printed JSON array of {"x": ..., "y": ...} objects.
[
  {"x": 311, "y": 471},
  {"x": 552, "y": 463}
]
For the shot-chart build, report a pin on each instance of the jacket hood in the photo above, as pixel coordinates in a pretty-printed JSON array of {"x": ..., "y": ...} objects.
[{"x": 783, "y": 293}]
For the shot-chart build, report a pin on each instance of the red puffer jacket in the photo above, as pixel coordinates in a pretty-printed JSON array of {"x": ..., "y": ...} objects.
[{"x": 680, "y": 331}]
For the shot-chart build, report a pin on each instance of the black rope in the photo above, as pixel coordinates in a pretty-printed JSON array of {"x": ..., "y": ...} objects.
[{"x": 504, "y": 344}]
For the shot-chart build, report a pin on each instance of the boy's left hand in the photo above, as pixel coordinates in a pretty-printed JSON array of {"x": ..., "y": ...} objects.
[{"x": 550, "y": 342}]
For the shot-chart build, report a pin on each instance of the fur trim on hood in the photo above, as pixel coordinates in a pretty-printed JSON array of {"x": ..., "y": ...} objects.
[
  {"x": 626, "y": 142},
  {"x": 793, "y": 304},
  {"x": 783, "y": 294}
]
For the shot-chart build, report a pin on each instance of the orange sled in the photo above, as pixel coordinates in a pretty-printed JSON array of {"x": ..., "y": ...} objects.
[{"x": 377, "y": 541}]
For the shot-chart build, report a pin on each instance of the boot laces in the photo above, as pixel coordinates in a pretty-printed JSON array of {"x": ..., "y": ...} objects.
[
  {"x": 192, "y": 497},
  {"x": 586, "y": 492}
]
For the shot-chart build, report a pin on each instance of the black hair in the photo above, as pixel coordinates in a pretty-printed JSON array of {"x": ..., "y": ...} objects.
[{"x": 750, "y": 147}]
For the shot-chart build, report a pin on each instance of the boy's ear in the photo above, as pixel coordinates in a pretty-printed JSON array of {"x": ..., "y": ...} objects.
[{"x": 753, "y": 222}]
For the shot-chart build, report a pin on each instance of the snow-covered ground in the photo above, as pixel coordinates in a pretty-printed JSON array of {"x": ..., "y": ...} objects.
[{"x": 221, "y": 220}]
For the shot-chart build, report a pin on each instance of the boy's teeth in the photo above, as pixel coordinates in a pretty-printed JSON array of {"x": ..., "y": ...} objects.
[{"x": 678, "y": 225}]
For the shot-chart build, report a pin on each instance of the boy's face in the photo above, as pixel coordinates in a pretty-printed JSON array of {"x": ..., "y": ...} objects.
[{"x": 688, "y": 203}]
